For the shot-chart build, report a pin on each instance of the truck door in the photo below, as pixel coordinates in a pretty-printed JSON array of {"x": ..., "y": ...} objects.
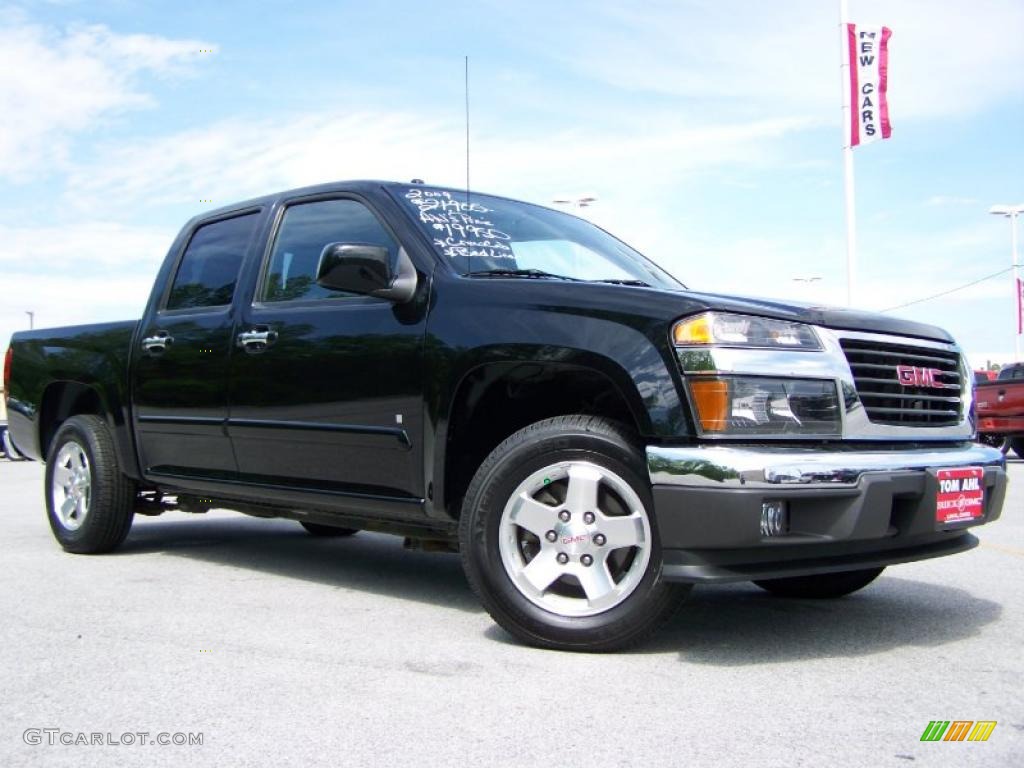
[
  {"x": 180, "y": 375},
  {"x": 326, "y": 387}
]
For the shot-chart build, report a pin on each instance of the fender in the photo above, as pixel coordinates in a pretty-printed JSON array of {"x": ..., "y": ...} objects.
[{"x": 484, "y": 323}]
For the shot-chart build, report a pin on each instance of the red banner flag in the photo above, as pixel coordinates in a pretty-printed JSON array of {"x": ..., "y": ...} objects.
[{"x": 868, "y": 49}]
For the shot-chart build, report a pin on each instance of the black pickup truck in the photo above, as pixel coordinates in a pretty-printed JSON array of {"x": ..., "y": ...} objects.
[{"x": 487, "y": 375}]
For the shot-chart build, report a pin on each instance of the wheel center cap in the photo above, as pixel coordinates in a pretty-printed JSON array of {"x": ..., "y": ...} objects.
[{"x": 572, "y": 539}]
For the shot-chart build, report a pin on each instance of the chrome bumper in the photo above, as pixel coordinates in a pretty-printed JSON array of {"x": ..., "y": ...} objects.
[{"x": 748, "y": 466}]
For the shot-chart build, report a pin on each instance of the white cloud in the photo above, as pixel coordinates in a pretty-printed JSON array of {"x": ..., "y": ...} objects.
[
  {"x": 55, "y": 84},
  {"x": 90, "y": 272},
  {"x": 231, "y": 160},
  {"x": 947, "y": 59},
  {"x": 83, "y": 248}
]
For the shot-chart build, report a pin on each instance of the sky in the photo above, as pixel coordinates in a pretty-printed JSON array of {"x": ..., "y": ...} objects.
[{"x": 709, "y": 132}]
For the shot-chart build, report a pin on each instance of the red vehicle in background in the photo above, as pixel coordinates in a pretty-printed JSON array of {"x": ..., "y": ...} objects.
[{"x": 1000, "y": 408}]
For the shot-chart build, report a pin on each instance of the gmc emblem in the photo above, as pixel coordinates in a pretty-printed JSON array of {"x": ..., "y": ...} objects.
[{"x": 911, "y": 376}]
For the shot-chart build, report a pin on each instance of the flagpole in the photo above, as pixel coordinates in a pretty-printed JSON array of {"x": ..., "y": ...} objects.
[{"x": 851, "y": 212}]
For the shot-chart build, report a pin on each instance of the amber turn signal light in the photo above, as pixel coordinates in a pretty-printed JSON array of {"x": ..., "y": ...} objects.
[
  {"x": 696, "y": 330},
  {"x": 711, "y": 396}
]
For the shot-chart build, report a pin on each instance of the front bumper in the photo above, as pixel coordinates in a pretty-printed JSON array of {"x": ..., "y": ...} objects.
[{"x": 849, "y": 508}]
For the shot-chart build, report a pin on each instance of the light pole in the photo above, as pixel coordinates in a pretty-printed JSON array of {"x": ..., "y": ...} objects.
[
  {"x": 31, "y": 319},
  {"x": 1012, "y": 212}
]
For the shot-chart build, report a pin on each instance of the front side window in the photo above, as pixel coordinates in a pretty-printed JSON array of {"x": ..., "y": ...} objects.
[
  {"x": 209, "y": 267},
  {"x": 305, "y": 230},
  {"x": 481, "y": 235}
]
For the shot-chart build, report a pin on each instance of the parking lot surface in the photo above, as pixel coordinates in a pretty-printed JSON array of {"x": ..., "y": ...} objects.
[{"x": 283, "y": 649}]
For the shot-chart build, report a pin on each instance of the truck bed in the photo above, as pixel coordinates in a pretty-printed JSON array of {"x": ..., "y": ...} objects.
[
  {"x": 1000, "y": 407},
  {"x": 96, "y": 354}
]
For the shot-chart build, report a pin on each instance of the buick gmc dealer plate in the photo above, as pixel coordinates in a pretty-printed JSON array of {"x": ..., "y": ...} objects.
[{"x": 961, "y": 495}]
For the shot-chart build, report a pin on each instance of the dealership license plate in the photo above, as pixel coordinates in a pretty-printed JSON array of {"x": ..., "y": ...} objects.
[{"x": 961, "y": 495}]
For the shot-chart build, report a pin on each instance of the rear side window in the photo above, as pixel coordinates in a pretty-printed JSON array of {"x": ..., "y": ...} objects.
[
  {"x": 305, "y": 229},
  {"x": 209, "y": 269}
]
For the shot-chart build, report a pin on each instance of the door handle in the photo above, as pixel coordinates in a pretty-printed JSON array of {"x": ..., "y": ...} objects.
[
  {"x": 256, "y": 340},
  {"x": 158, "y": 343}
]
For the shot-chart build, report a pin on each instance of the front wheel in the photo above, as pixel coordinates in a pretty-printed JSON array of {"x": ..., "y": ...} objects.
[
  {"x": 89, "y": 502},
  {"x": 558, "y": 538},
  {"x": 823, "y": 585}
]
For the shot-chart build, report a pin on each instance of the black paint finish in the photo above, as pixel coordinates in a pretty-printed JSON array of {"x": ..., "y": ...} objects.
[{"x": 347, "y": 405}]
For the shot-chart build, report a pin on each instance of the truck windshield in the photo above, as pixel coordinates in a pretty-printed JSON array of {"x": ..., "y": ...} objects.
[{"x": 491, "y": 236}]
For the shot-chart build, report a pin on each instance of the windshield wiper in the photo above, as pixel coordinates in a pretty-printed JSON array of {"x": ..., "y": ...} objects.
[
  {"x": 618, "y": 281},
  {"x": 518, "y": 273}
]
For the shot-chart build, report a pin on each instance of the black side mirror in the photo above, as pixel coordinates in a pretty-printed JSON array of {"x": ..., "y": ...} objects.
[{"x": 366, "y": 269}]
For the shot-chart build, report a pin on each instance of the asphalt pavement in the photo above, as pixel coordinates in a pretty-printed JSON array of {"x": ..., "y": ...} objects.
[{"x": 277, "y": 648}]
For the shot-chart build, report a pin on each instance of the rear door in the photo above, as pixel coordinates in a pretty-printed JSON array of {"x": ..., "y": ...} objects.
[
  {"x": 180, "y": 386},
  {"x": 327, "y": 387}
]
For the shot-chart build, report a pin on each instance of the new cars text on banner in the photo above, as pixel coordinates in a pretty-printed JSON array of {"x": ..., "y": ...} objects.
[{"x": 868, "y": 49}]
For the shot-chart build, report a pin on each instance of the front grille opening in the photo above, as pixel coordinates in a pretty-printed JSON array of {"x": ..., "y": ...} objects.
[{"x": 931, "y": 394}]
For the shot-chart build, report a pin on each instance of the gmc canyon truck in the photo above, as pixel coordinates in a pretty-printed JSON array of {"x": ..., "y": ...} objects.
[
  {"x": 486, "y": 375},
  {"x": 1000, "y": 405}
]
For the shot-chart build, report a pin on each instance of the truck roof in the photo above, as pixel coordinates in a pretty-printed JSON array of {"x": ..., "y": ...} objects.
[{"x": 355, "y": 185}]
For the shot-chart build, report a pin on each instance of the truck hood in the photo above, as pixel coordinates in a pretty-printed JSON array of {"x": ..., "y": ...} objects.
[
  {"x": 640, "y": 306},
  {"x": 839, "y": 318}
]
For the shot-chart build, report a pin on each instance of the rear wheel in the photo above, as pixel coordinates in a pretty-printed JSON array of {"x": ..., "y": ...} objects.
[
  {"x": 558, "y": 539},
  {"x": 328, "y": 530},
  {"x": 822, "y": 585},
  {"x": 89, "y": 502}
]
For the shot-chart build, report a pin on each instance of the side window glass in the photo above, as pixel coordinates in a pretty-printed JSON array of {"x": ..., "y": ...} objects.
[
  {"x": 209, "y": 268},
  {"x": 305, "y": 230}
]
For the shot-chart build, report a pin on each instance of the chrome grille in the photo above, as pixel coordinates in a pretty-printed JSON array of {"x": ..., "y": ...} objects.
[{"x": 887, "y": 401}]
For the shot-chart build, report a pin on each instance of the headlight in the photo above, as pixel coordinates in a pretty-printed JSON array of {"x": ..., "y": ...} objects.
[
  {"x": 754, "y": 405},
  {"x": 731, "y": 330}
]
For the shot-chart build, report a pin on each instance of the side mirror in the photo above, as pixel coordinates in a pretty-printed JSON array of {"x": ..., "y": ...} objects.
[{"x": 366, "y": 269}]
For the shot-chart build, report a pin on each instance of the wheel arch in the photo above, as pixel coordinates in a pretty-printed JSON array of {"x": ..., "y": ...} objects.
[
  {"x": 495, "y": 399},
  {"x": 62, "y": 400}
]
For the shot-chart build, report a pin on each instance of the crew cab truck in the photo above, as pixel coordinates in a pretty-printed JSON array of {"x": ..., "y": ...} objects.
[
  {"x": 1000, "y": 406},
  {"x": 478, "y": 373}
]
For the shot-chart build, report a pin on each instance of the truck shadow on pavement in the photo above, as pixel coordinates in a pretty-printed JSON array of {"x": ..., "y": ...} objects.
[
  {"x": 369, "y": 562},
  {"x": 728, "y": 625},
  {"x": 740, "y": 624}
]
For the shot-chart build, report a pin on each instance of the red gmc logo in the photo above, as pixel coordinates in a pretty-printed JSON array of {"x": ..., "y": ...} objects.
[{"x": 911, "y": 376}]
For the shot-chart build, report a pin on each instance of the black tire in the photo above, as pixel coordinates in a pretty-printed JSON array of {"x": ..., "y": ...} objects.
[
  {"x": 1017, "y": 444},
  {"x": 605, "y": 448},
  {"x": 1000, "y": 442},
  {"x": 328, "y": 530},
  {"x": 111, "y": 495},
  {"x": 821, "y": 586}
]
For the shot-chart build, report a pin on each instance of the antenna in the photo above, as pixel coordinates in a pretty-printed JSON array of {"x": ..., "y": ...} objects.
[{"x": 469, "y": 259}]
